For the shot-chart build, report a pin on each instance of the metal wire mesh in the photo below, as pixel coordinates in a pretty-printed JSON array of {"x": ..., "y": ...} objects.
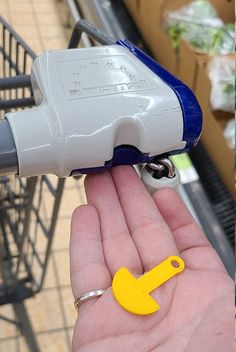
[
  {"x": 15, "y": 60},
  {"x": 220, "y": 198},
  {"x": 28, "y": 207}
]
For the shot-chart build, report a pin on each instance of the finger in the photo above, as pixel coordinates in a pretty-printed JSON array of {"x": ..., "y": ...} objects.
[
  {"x": 151, "y": 235},
  {"x": 191, "y": 241},
  {"x": 186, "y": 232},
  {"x": 118, "y": 246},
  {"x": 87, "y": 265}
]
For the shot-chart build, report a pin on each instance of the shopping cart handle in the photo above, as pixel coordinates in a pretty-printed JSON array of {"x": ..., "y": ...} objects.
[
  {"x": 101, "y": 107},
  {"x": 8, "y": 155}
]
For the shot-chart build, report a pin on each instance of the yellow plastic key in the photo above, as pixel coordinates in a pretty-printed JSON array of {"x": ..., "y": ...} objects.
[{"x": 134, "y": 294}]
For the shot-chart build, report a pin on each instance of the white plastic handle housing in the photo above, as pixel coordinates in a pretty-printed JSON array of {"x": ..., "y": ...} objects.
[{"x": 89, "y": 102}]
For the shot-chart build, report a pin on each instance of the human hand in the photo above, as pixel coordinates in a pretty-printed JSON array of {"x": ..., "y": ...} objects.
[{"x": 122, "y": 225}]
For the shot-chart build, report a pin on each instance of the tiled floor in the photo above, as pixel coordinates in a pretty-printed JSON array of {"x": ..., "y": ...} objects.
[
  {"x": 51, "y": 311},
  {"x": 39, "y": 22}
]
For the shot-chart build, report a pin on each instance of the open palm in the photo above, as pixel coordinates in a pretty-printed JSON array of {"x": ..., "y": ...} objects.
[{"x": 122, "y": 225}]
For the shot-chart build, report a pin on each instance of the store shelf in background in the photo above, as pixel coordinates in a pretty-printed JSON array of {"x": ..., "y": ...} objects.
[
  {"x": 189, "y": 66},
  {"x": 149, "y": 16},
  {"x": 213, "y": 131}
]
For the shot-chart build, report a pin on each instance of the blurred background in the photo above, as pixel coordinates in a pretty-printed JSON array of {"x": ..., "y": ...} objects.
[{"x": 194, "y": 40}]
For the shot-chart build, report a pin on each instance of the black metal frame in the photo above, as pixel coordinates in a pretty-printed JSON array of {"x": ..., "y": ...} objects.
[
  {"x": 24, "y": 226},
  {"x": 220, "y": 198},
  {"x": 23, "y": 200},
  {"x": 91, "y": 31},
  {"x": 16, "y": 55},
  {"x": 20, "y": 78}
]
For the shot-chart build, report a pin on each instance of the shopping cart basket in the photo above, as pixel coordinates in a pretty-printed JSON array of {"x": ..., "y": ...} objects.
[
  {"x": 26, "y": 226},
  {"x": 27, "y": 222}
]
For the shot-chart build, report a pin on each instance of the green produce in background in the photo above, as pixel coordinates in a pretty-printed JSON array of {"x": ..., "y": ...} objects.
[
  {"x": 222, "y": 75},
  {"x": 200, "y": 25}
]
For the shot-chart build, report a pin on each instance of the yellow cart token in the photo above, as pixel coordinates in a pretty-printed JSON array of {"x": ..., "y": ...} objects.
[{"x": 134, "y": 294}]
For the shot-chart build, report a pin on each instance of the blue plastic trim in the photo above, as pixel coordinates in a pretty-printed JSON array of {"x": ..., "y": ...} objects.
[
  {"x": 123, "y": 155},
  {"x": 192, "y": 114}
]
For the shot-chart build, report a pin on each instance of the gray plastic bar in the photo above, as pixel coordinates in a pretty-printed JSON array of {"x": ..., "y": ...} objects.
[
  {"x": 19, "y": 81},
  {"x": 8, "y": 155},
  {"x": 91, "y": 31}
]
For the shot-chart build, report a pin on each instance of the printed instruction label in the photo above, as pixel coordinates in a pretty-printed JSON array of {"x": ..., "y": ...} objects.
[{"x": 102, "y": 76}]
